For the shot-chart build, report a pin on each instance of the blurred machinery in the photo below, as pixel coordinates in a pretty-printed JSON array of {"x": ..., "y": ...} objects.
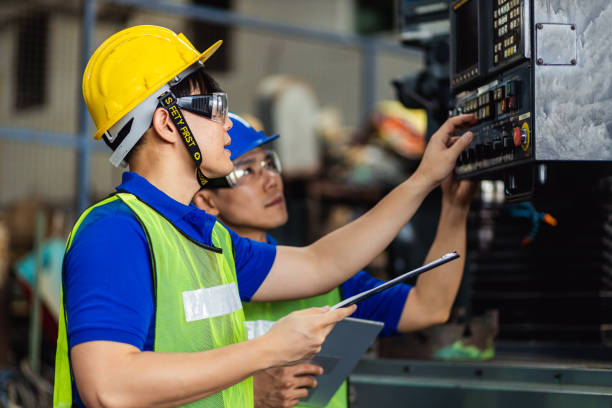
[
  {"x": 290, "y": 107},
  {"x": 536, "y": 73},
  {"x": 425, "y": 25}
]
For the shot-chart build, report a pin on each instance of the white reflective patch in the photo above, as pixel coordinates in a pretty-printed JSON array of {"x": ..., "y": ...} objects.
[
  {"x": 256, "y": 328},
  {"x": 211, "y": 302}
]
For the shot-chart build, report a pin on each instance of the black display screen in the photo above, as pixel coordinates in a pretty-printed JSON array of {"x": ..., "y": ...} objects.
[{"x": 466, "y": 32}]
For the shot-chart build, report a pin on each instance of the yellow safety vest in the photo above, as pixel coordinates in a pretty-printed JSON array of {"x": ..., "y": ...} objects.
[{"x": 197, "y": 306}]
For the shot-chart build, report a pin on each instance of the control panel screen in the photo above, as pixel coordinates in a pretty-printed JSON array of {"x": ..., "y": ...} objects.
[{"x": 467, "y": 35}]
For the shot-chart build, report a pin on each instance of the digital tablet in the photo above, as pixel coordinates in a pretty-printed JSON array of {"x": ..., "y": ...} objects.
[
  {"x": 415, "y": 272},
  {"x": 339, "y": 355}
]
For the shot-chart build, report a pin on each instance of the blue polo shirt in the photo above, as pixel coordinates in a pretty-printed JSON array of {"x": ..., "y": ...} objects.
[
  {"x": 386, "y": 306},
  {"x": 108, "y": 288}
]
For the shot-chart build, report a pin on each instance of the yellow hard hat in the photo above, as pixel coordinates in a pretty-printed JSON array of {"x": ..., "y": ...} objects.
[{"x": 130, "y": 66}]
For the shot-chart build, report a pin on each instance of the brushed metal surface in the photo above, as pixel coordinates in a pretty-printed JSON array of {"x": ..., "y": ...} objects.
[{"x": 573, "y": 103}]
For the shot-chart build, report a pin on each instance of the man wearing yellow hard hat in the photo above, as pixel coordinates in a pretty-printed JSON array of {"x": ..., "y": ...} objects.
[{"x": 151, "y": 312}]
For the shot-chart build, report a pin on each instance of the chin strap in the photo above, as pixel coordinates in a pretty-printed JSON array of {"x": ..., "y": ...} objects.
[{"x": 167, "y": 100}]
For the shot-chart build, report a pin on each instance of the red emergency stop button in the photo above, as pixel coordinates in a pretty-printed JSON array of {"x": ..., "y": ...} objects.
[{"x": 517, "y": 136}]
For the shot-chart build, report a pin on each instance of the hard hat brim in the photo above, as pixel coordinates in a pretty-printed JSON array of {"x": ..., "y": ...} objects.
[
  {"x": 210, "y": 51},
  {"x": 255, "y": 144}
]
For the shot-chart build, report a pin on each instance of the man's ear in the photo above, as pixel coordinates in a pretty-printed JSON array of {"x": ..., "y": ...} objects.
[
  {"x": 206, "y": 200},
  {"x": 163, "y": 126}
]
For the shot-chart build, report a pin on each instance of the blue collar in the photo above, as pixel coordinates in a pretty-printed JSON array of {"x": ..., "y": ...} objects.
[
  {"x": 270, "y": 239},
  {"x": 188, "y": 218}
]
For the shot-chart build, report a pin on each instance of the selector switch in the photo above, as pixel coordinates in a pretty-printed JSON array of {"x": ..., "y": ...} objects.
[
  {"x": 497, "y": 147},
  {"x": 508, "y": 143}
]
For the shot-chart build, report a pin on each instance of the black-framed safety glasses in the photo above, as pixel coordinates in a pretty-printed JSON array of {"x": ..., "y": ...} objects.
[{"x": 213, "y": 106}]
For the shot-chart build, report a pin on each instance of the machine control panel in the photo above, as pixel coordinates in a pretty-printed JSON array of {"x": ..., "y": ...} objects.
[
  {"x": 525, "y": 69},
  {"x": 491, "y": 77},
  {"x": 502, "y": 135}
]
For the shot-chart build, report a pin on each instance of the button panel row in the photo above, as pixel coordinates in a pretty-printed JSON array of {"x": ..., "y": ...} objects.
[
  {"x": 506, "y": 30},
  {"x": 494, "y": 103}
]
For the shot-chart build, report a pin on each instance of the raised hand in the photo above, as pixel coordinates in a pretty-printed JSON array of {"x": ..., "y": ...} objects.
[
  {"x": 443, "y": 149},
  {"x": 457, "y": 193}
]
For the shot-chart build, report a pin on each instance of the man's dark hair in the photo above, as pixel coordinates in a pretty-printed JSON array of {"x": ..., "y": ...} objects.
[{"x": 199, "y": 81}]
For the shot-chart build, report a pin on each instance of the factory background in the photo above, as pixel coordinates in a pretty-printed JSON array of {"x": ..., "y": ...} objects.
[{"x": 532, "y": 323}]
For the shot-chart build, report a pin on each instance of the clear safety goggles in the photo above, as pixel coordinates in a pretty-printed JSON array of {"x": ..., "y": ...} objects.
[
  {"x": 213, "y": 106},
  {"x": 249, "y": 169}
]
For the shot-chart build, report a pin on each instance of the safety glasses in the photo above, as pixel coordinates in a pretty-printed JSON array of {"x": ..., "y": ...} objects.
[
  {"x": 246, "y": 170},
  {"x": 212, "y": 106}
]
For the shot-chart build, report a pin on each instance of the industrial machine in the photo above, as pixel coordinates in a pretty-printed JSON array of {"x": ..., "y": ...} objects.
[
  {"x": 537, "y": 75},
  {"x": 533, "y": 72}
]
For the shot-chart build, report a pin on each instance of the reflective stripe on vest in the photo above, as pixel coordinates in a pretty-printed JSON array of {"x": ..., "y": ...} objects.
[
  {"x": 188, "y": 282},
  {"x": 211, "y": 302},
  {"x": 261, "y": 316}
]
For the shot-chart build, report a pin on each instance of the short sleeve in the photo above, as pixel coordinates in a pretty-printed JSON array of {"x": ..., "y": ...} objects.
[
  {"x": 253, "y": 263},
  {"x": 385, "y": 307},
  {"x": 108, "y": 287}
]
